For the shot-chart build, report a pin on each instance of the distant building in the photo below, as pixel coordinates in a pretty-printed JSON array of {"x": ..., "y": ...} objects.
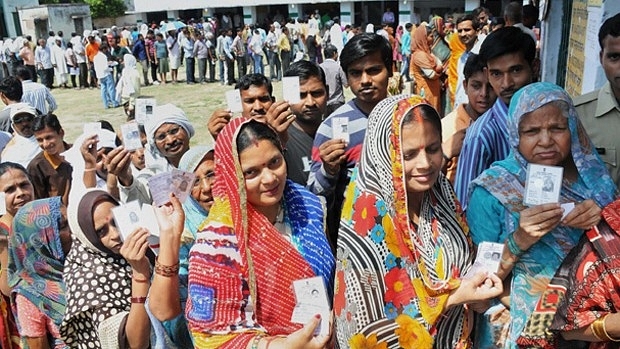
[
  {"x": 39, "y": 20},
  {"x": 9, "y": 23}
]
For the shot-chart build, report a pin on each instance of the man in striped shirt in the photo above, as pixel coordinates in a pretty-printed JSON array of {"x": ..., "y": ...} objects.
[
  {"x": 35, "y": 94},
  {"x": 509, "y": 56},
  {"x": 367, "y": 61}
]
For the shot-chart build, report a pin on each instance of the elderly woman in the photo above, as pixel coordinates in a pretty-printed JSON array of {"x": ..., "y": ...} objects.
[
  {"x": 263, "y": 233},
  {"x": 543, "y": 129},
  {"x": 403, "y": 245},
  {"x": 107, "y": 279},
  {"x": 37, "y": 249},
  {"x": 168, "y": 294}
]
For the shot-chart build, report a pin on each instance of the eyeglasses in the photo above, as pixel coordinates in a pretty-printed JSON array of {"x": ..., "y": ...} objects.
[
  {"x": 160, "y": 137},
  {"x": 208, "y": 178},
  {"x": 18, "y": 119}
]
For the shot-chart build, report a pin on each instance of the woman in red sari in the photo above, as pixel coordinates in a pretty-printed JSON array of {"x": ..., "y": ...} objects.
[
  {"x": 582, "y": 302},
  {"x": 263, "y": 233}
]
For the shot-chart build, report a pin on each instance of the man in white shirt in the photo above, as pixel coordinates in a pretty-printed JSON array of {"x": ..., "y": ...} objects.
[
  {"x": 43, "y": 62},
  {"x": 104, "y": 74}
]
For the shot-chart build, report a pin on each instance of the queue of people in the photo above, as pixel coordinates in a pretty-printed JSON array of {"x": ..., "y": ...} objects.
[{"x": 356, "y": 202}]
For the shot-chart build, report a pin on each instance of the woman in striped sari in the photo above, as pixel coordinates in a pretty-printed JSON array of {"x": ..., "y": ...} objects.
[{"x": 403, "y": 245}]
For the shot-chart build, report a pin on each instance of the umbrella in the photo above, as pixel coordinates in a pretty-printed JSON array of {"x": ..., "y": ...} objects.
[{"x": 174, "y": 26}]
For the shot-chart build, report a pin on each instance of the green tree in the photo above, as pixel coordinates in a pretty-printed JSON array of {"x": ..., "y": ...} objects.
[{"x": 106, "y": 8}]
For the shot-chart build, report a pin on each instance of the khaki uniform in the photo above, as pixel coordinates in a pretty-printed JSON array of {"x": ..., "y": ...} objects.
[{"x": 599, "y": 113}]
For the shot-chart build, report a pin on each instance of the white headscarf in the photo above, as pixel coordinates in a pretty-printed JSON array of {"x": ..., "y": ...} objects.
[{"x": 163, "y": 114}]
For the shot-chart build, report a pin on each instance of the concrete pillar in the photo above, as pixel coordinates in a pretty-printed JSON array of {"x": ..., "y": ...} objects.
[
  {"x": 249, "y": 14},
  {"x": 470, "y": 5},
  {"x": 172, "y": 15},
  {"x": 405, "y": 10},
  {"x": 347, "y": 13},
  {"x": 295, "y": 11}
]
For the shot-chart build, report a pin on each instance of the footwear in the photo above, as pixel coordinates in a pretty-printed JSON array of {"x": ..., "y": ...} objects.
[{"x": 155, "y": 82}]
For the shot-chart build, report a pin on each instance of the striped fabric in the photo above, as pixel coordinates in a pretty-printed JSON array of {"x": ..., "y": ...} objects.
[
  {"x": 241, "y": 268},
  {"x": 486, "y": 141},
  {"x": 393, "y": 278},
  {"x": 318, "y": 181},
  {"x": 38, "y": 96}
]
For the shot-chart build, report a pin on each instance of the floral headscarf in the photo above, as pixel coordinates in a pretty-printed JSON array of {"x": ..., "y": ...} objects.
[
  {"x": 36, "y": 258},
  {"x": 392, "y": 278}
]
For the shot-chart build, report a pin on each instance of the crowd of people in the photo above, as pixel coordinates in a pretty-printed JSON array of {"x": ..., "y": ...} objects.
[{"x": 378, "y": 206}]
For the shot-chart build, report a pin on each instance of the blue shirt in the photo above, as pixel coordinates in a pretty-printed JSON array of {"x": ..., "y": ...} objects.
[
  {"x": 486, "y": 141},
  {"x": 139, "y": 50},
  {"x": 405, "y": 46}
]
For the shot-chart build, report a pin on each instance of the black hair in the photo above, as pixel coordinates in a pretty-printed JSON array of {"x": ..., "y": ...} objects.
[
  {"x": 258, "y": 80},
  {"x": 508, "y": 40},
  {"x": 12, "y": 88},
  {"x": 408, "y": 26},
  {"x": 472, "y": 66},
  {"x": 362, "y": 45},
  {"x": 253, "y": 131},
  {"x": 69, "y": 45},
  {"x": 611, "y": 26},
  {"x": 22, "y": 73},
  {"x": 6, "y": 166},
  {"x": 423, "y": 112},
  {"x": 478, "y": 10},
  {"x": 47, "y": 120},
  {"x": 530, "y": 11},
  {"x": 104, "y": 46},
  {"x": 329, "y": 50},
  {"x": 305, "y": 70},
  {"x": 497, "y": 21},
  {"x": 470, "y": 17}
]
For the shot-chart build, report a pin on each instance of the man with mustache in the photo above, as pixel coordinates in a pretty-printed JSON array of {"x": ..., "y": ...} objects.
[
  {"x": 509, "y": 57},
  {"x": 258, "y": 103},
  {"x": 309, "y": 113},
  {"x": 367, "y": 62},
  {"x": 23, "y": 146},
  {"x": 168, "y": 133}
]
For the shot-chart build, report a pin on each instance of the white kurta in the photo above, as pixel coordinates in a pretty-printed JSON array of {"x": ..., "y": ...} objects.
[{"x": 60, "y": 64}]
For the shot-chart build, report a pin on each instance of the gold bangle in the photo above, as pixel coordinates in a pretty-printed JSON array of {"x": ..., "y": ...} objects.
[
  {"x": 609, "y": 338},
  {"x": 596, "y": 328}
]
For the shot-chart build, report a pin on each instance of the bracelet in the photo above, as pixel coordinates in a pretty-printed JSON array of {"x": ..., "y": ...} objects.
[
  {"x": 166, "y": 270},
  {"x": 138, "y": 300},
  {"x": 89, "y": 169},
  {"x": 513, "y": 247},
  {"x": 607, "y": 336},
  {"x": 138, "y": 280},
  {"x": 596, "y": 327},
  {"x": 256, "y": 340}
]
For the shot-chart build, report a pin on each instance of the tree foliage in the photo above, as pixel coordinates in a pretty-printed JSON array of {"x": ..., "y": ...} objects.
[{"x": 106, "y": 8}]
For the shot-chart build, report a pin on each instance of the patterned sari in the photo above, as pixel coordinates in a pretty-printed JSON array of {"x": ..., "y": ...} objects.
[
  {"x": 585, "y": 288},
  {"x": 496, "y": 199},
  {"x": 36, "y": 259},
  {"x": 9, "y": 335},
  {"x": 393, "y": 278},
  {"x": 241, "y": 267}
]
